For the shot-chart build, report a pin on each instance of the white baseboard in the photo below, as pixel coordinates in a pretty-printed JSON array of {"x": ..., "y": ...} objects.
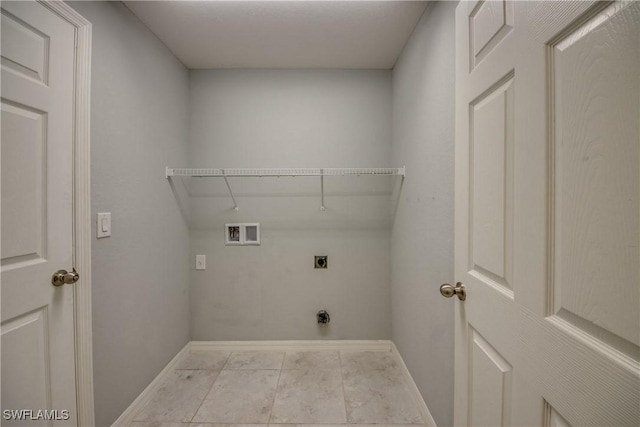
[
  {"x": 413, "y": 389},
  {"x": 127, "y": 416},
  {"x": 311, "y": 345}
]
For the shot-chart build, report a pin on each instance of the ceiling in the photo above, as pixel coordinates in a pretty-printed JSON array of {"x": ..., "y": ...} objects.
[{"x": 282, "y": 34}]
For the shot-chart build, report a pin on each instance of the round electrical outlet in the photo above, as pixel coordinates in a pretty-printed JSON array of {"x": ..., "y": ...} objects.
[{"x": 320, "y": 261}]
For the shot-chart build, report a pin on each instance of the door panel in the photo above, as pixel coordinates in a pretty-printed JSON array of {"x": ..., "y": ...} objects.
[
  {"x": 596, "y": 177},
  {"x": 552, "y": 418},
  {"x": 547, "y": 213},
  {"x": 489, "y": 23},
  {"x": 25, "y": 50},
  {"x": 37, "y": 329},
  {"x": 27, "y": 334},
  {"x": 24, "y": 190},
  {"x": 489, "y": 384},
  {"x": 491, "y": 203}
]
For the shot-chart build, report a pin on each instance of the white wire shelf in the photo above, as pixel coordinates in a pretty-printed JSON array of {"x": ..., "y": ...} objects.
[
  {"x": 203, "y": 173},
  {"x": 259, "y": 173}
]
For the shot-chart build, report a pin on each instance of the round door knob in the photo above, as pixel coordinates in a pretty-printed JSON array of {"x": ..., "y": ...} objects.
[
  {"x": 448, "y": 291},
  {"x": 62, "y": 277}
]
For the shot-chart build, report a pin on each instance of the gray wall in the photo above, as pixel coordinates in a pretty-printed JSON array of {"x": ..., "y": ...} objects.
[
  {"x": 291, "y": 118},
  {"x": 141, "y": 97},
  {"x": 422, "y": 237},
  {"x": 139, "y": 124}
]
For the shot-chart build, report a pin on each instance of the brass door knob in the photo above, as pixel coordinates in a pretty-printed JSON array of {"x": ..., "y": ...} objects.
[
  {"x": 62, "y": 277},
  {"x": 448, "y": 291}
]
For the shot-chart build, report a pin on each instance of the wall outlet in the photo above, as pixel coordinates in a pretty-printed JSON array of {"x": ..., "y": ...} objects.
[
  {"x": 320, "y": 261},
  {"x": 201, "y": 262}
]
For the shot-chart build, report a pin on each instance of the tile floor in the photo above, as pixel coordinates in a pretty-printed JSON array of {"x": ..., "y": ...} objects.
[{"x": 256, "y": 389}]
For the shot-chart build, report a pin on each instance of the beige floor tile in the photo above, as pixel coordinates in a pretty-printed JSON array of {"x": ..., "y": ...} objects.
[
  {"x": 239, "y": 396},
  {"x": 255, "y": 360},
  {"x": 211, "y": 360},
  {"x": 363, "y": 361},
  {"x": 307, "y": 425},
  {"x": 384, "y": 425},
  {"x": 379, "y": 396},
  {"x": 311, "y": 360},
  {"x": 342, "y": 425},
  {"x": 156, "y": 424},
  {"x": 226, "y": 425},
  {"x": 179, "y": 396},
  {"x": 309, "y": 396},
  {"x": 313, "y": 389},
  {"x": 310, "y": 425}
]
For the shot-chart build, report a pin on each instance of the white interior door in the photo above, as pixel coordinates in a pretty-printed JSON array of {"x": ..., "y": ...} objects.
[
  {"x": 547, "y": 213},
  {"x": 38, "y": 362}
]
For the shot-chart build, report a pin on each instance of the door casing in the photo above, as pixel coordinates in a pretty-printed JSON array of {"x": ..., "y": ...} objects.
[{"x": 81, "y": 209}]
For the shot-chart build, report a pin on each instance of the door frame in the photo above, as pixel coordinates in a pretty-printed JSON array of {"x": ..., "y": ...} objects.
[{"x": 81, "y": 209}]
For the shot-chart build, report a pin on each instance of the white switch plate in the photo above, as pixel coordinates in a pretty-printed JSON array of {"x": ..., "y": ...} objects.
[
  {"x": 201, "y": 262},
  {"x": 104, "y": 225}
]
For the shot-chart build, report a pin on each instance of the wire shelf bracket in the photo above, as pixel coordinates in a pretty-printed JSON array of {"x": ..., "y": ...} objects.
[{"x": 293, "y": 172}]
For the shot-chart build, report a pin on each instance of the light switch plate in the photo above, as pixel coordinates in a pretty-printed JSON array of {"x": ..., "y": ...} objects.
[
  {"x": 104, "y": 225},
  {"x": 201, "y": 262}
]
